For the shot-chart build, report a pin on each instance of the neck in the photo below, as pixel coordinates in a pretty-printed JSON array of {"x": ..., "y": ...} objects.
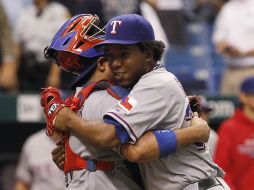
[{"x": 96, "y": 76}]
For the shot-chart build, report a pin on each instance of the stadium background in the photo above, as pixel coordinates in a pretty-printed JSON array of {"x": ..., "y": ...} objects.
[{"x": 195, "y": 62}]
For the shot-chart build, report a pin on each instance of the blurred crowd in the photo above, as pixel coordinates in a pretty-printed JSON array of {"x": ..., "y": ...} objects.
[
  {"x": 226, "y": 42},
  {"x": 28, "y": 26}
]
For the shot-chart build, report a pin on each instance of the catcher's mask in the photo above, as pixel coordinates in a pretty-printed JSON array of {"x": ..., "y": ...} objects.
[{"x": 72, "y": 46}]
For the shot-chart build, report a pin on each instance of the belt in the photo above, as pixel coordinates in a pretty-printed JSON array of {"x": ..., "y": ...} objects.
[
  {"x": 90, "y": 165},
  {"x": 93, "y": 165},
  {"x": 208, "y": 183}
]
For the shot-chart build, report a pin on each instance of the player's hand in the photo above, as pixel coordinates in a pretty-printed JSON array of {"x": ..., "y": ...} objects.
[
  {"x": 58, "y": 155},
  {"x": 52, "y": 103},
  {"x": 202, "y": 128}
]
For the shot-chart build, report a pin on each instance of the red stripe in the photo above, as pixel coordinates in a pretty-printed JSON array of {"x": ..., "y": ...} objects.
[{"x": 126, "y": 104}]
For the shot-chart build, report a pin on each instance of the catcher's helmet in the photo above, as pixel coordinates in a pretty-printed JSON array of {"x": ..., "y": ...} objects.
[{"x": 72, "y": 46}]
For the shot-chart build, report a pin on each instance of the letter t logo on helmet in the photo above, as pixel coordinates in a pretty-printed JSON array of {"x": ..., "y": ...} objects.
[{"x": 115, "y": 23}]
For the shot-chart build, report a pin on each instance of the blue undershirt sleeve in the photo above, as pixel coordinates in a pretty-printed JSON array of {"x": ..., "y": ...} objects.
[{"x": 121, "y": 132}]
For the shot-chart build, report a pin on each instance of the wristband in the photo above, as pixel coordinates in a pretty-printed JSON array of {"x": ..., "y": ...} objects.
[{"x": 166, "y": 140}]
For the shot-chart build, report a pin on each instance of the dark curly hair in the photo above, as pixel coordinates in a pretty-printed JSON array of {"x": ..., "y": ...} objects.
[{"x": 158, "y": 48}]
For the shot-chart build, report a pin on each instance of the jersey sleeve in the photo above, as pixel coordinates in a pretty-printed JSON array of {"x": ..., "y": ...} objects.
[
  {"x": 99, "y": 103},
  {"x": 156, "y": 102},
  {"x": 140, "y": 111},
  {"x": 121, "y": 132}
]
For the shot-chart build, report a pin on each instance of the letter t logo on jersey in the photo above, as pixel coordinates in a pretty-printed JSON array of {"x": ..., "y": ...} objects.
[
  {"x": 128, "y": 103},
  {"x": 115, "y": 23}
]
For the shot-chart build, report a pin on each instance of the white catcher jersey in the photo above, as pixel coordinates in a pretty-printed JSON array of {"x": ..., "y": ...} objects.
[
  {"x": 158, "y": 101},
  {"x": 36, "y": 167},
  {"x": 94, "y": 108}
]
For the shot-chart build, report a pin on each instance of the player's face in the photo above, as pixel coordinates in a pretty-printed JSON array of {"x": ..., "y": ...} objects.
[{"x": 127, "y": 63}]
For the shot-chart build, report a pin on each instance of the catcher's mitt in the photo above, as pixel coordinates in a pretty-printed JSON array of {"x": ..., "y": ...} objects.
[
  {"x": 195, "y": 104},
  {"x": 52, "y": 103}
]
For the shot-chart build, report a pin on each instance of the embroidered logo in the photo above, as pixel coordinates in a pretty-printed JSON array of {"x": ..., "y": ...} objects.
[
  {"x": 114, "y": 24},
  {"x": 128, "y": 103},
  {"x": 52, "y": 108}
]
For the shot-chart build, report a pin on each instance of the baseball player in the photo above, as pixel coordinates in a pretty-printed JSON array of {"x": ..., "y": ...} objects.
[
  {"x": 92, "y": 104},
  {"x": 35, "y": 169}
]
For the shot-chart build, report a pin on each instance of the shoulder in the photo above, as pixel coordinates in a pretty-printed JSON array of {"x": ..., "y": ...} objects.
[
  {"x": 102, "y": 95},
  {"x": 97, "y": 104},
  {"x": 161, "y": 80},
  {"x": 160, "y": 74},
  {"x": 101, "y": 100}
]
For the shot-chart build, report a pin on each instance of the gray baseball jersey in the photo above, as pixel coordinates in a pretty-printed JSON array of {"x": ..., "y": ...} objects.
[
  {"x": 36, "y": 167},
  {"x": 94, "y": 108},
  {"x": 158, "y": 101}
]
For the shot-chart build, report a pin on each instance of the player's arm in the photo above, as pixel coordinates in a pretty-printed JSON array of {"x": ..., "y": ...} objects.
[
  {"x": 96, "y": 133},
  {"x": 155, "y": 144},
  {"x": 61, "y": 118},
  {"x": 149, "y": 147}
]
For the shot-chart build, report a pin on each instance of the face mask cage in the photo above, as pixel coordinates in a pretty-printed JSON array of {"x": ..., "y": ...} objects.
[{"x": 90, "y": 29}]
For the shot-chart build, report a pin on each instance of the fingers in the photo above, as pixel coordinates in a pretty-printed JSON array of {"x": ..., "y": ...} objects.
[
  {"x": 196, "y": 120},
  {"x": 58, "y": 156},
  {"x": 195, "y": 114},
  {"x": 59, "y": 142}
]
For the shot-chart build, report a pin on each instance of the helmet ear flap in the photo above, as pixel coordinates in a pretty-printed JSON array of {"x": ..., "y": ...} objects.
[
  {"x": 47, "y": 52},
  {"x": 50, "y": 54}
]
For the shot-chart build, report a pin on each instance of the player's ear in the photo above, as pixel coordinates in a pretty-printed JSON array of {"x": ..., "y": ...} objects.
[
  {"x": 149, "y": 59},
  {"x": 148, "y": 55},
  {"x": 101, "y": 64}
]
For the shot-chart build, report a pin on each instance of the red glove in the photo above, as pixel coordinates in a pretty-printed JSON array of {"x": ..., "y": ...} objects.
[{"x": 51, "y": 102}]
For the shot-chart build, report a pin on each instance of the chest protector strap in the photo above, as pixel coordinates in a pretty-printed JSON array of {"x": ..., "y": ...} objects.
[{"x": 72, "y": 160}]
